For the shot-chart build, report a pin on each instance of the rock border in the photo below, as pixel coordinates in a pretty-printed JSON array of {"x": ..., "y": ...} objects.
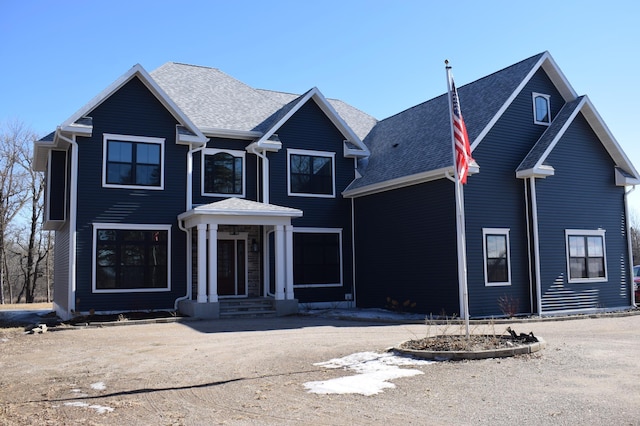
[{"x": 523, "y": 349}]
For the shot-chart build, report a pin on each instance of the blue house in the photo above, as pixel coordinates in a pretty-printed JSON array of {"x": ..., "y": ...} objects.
[{"x": 186, "y": 189}]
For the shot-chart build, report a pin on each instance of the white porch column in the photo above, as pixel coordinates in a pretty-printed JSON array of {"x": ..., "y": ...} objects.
[
  {"x": 288, "y": 233},
  {"x": 280, "y": 262},
  {"x": 213, "y": 262},
  {"x": 202, "y": 262}
]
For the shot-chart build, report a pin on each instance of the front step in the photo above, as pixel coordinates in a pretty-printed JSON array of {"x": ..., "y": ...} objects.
[{"x": 247, "y": 308}]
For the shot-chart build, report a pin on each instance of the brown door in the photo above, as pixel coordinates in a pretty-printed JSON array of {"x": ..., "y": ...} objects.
[{"x": 231, "y": 268}]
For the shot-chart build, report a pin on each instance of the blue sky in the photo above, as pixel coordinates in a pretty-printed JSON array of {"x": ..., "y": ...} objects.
[{"x": 380, "y": 56}]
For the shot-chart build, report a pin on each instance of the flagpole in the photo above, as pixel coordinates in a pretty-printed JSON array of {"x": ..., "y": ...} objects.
[{"x": 460, "y": 222}]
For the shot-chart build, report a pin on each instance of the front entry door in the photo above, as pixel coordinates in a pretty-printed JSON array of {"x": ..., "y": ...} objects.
[{"x": 232, "y": 268}]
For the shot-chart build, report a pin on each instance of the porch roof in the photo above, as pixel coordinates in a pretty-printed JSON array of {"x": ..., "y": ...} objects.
[{"x": 238, "y": 211}]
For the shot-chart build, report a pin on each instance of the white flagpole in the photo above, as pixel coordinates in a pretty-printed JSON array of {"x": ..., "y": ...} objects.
[{"x": 460, "y": 222}]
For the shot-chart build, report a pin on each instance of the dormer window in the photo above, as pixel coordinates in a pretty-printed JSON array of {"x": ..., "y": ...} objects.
[{"x": 541, "y": 109}]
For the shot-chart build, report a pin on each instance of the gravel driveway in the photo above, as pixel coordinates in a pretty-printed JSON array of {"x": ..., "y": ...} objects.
[{"x": 254, "y": 372}]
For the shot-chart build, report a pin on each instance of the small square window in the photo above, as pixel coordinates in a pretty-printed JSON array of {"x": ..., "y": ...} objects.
[
  {"x": 311, "y": 173},
  {"x": 586, "y": 255},
  {"x": 132, "y": 161},
  {"x": 541, "y": 109}
]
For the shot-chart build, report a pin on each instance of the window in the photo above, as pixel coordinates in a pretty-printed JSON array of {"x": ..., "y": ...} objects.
[
  {"x": 311, "y": 173},
  {"x": 497, "y": 262},
  {"x": 317, "y": 257},
  {"x": 586, "y": 255},
  {"x": 131, "y": 258},
  {"x": 132, "y": 161},
  {"x": 541, "y": 109},
  {"x": 223, "y": 173}
]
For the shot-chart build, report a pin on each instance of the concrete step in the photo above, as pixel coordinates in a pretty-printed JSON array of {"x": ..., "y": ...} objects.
[{"x": 246, "y": 308}]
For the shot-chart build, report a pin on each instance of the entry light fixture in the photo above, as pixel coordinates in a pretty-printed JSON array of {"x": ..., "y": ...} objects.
[{"x": 254, "y": 246}]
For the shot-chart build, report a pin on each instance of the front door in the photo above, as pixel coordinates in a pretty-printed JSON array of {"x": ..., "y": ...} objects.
[{"x": 232, "y": 268}]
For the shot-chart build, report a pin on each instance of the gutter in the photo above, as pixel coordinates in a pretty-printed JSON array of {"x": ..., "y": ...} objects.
[{"x": 253, "y": 149}]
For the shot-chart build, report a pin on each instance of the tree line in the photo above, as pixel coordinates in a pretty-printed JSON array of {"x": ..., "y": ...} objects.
[{"x": 26, "y": 270}]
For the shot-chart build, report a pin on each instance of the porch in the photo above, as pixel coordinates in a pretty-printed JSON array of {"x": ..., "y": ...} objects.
[{"x": 238, "y": 249}]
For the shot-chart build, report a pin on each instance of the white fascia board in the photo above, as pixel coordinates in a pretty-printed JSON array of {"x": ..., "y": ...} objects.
[
  {"x": 556, "y": 76},
  {"x": 400, "y": 182},
  {"x": 329, "y": 111},
  {"x": 136, "y": 71},
  {"x": 536, "y": 172},
  {"x": 622, "y": 180},
  {"x": 353, "y": 153},
  {"x": 230, "y": 134},
  {"x": 608, "y": 140}
]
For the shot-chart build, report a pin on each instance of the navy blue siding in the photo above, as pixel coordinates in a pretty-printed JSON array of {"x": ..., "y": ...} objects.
[
  {"x": 310, "y": 129},
  {"x": 495, "y": 198},
  {"x": 250, "y": 173},
  {"x": 133, "y": 110},
  {"x": 581, "y": 195},
  {"x": 406, "y": 248}
]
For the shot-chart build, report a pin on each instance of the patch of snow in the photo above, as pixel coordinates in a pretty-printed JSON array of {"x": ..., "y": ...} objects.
[
  {"x": 101, "y": 409},
  {"x": 373, "y": 370},
  {"x": 98, "y": 386}
]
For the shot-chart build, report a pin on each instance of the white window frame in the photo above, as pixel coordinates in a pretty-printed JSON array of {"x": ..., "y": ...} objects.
[
  {"x": 125, "y": 227},
  {"x": 327, "y": 154},
  {"x": 534, "y": 96},
  {"x": 136, "y": 139},
  {"x": 586, "y": 233},
  {"x": 234, "y": 153},
  {"x": 495, "y": 231},
  {"x": 323, "y": 231}
]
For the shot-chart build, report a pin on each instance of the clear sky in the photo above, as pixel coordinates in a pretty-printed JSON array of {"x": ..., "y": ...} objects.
[{"x": 379, "y": 56}]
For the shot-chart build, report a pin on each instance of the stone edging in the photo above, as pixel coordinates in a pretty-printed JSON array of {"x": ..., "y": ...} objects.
[{"x": 526, "y": 348}]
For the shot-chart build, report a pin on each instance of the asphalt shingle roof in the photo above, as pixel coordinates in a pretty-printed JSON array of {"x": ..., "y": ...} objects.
[
  {"x": 215, "y": 100},
  {"x": 418, "y": 139}
]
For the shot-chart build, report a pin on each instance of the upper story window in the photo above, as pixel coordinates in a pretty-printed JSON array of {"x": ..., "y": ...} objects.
[
  {"x": 541, "y": 109},
  {"x": 497, "y": 258},
  {"x": 223, "y": 173},
  {"x": 132, "y": 161},
  {"x": 311, "y": 173},
  {"x": 586, "y": 255}
]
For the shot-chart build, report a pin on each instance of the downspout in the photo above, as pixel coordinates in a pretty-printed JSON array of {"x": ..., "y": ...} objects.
[
  {"x": 634, "y": 302},
  {"x": 189, "y": 206},
  {"x": 353, "y": 252},
  {"x": 536, "y": 243},
  {"x": 73, "y": 206},
  {"x": 528, "y": 223}
]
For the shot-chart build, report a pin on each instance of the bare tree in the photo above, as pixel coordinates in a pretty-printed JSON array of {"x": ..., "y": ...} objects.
[{"x": 14, "y": 137}]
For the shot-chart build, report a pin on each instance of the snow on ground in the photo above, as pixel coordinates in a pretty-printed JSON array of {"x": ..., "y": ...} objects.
[
  {"x": 98, "y": 386},
  {"x": 101, "y": 409},
  {"x": 373, "y": 372}
]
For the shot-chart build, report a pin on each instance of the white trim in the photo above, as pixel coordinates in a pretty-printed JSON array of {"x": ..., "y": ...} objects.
[
  {"x": 240, "y": 236},
  {"x": 329, "y": 111},
  {"x": 547, "y": 98},
  {"x": 309, "y": 153},
  {"x": 323, "y": 231},
  {"x": 505, "y": 233},
  {"x": 233, "y": 153},
  {"x": 129, "y": 226},
  {"x": 586, "y": 233},
  {"x": 400, "y": 182},
  {"x": 137, "y": 71},
  {"x": 547, "y": 63},
  {"x": 134, "y": 139}
]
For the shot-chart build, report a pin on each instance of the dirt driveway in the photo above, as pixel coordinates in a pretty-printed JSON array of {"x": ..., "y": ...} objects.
[{"x": 254, "y": 372}]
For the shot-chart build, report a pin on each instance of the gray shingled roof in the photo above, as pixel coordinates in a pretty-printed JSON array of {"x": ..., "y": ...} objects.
[
  {"x": 549, "y": 135},
  {"x": 214, "y": 100},
  {"x": 418, "y": 140}
]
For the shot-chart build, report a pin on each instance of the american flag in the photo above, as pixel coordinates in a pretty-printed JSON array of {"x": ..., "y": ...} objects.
[{"x": 462, "y": 146}]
